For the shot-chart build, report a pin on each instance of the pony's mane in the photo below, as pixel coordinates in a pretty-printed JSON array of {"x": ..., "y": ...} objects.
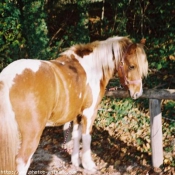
[
  {"x": 142, "y": 60},
  {"x": 106, "y": 55}
]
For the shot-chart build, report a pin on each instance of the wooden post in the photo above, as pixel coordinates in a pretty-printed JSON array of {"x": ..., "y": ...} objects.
[{"x": 156, "y": 132}]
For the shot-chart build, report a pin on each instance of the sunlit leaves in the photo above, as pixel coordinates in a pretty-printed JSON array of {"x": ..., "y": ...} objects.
[{"x": 128, "y": 121}]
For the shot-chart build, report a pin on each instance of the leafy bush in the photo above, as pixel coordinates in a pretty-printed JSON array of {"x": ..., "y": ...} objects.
[
  {"x": 34, "y": 29},
  {"x": 10, "y": 33}
]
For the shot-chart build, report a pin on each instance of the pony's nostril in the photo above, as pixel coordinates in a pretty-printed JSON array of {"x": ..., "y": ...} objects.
[{"x": 135, "y": 95}]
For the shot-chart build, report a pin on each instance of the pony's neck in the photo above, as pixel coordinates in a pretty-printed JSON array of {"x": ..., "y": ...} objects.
[
  {"x": 103, "y": 61},
  {"x": 100, "y": 59},
  {"x": 107, "y": 56}
]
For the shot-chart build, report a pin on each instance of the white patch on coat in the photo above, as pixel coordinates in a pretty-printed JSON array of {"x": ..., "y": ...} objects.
[
  {"x": 80, "y": 95},
  {"x": 87, "y": 161},
  {"x": 17, "y": 67},
  {"x": 76, "y": 136},
  {"x": 22, "y": 167},
  {"x": 61, "y": 62},
  {"x": 93, "y": 80}
]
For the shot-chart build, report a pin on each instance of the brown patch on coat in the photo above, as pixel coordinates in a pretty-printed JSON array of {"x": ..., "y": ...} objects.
[
  {"x": 83, "y": 52},
  {"x": 85, "y": 49}
]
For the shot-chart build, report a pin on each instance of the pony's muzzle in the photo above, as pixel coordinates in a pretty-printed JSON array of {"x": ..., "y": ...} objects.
[{"x": 135, "y": 95}]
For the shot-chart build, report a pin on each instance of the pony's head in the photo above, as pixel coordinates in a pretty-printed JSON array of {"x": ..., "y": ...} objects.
[{"x": 132, "y": 68}]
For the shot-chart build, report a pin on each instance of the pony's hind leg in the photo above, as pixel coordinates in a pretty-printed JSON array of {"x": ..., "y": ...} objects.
[
  {"x": 76, "y": 136},
  {"x": 30, "y": 141},
  {"x": 82, "y": 130},
  {"x": 23, "y": 165}
]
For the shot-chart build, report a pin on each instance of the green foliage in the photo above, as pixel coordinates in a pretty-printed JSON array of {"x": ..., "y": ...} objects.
[
  {"x": 10, "y": 33},
  {"x": 169, "y": 110},
  {"x": 34, "y": 28},
  {"x": 23, "y": 31},
  {"x": 82, "y": 30},
  {"x": 159, "y": 30},
  {"x": 116, "y": 109},
  {"x": 124, "y": 119},
  {"x": 78, "y": 32},
  {"x": 40, "y": 29}
]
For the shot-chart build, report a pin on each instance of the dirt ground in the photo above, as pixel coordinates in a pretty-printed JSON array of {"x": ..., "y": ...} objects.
[{"x": 111, "y": 156}]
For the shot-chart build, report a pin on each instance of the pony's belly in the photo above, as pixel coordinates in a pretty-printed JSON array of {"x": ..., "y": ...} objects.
[
  {"x": 57, "y": 123},
  {"x": 50, "y": 123},
  {"x": 60, "y": 118}
]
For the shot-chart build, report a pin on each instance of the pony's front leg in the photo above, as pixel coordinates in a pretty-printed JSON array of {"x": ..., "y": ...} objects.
[
  {"x": 87, "y": 161},
  {"x": 76, "y": 136}
]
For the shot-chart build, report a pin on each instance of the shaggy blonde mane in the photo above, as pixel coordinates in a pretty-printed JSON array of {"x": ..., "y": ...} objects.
[
  {"x": 142, "y": 60},
  {"x": 106, "y": 55}
]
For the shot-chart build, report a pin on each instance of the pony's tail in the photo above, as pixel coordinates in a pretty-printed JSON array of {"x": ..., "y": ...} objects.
[{"x": 9, "y": 136}]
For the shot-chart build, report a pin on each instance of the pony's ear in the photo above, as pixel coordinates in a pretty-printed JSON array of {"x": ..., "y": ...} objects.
[
  {"x": 132, "y": 48},
  {"x": 143, "y": 41}
]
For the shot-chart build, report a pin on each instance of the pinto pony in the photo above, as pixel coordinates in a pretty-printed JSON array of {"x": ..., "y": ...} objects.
[{"x": 35, "y": 94}]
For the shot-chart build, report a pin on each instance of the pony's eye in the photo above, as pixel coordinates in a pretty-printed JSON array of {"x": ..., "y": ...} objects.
[{"x": 131, "y": 67}]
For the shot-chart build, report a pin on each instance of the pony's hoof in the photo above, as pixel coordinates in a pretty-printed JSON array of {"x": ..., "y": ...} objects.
[
  {"x": 75, "y": 161},
  {"x": 90, "y": 166}
]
